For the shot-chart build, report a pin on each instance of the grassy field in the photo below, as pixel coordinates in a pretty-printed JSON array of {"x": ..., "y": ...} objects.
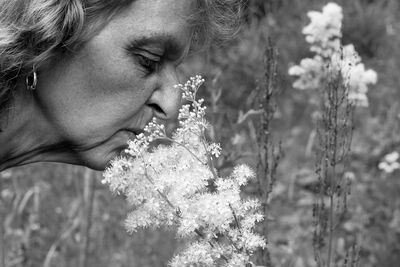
[{"x": 61, "y": 215}]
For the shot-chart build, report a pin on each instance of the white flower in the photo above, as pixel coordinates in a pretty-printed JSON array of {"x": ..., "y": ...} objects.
[
  {"x": 389, "y": 167},
  {"x": 324, "y": 30},
  {"x": 324, "y": 35},
  {"x": 348, "y": 62},
  {"x": 168, "y": 186},
  {"x": 242, "y": 174},
  {"x": 214, "y": 149},
  {"x": 392, "y": 157},
  {"x": 390, "y": 162},
  {"x": 196, "y": 254},
  {"x": 310, "y": 72}
]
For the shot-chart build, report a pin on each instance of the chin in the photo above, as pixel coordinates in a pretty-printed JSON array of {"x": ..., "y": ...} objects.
[
  {"x": 100, "y": 163},
  {"x": 100, "y": 160},
  {"x": 100, "y": 156}
]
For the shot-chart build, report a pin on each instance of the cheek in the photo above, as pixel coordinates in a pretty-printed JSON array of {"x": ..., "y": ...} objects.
[
  {"x": 110, "y": 78},
  {"x": 92, "y": 99}
]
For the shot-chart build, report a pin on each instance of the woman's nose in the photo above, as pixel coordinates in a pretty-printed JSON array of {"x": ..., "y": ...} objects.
[{"x": 166, "y": 98}]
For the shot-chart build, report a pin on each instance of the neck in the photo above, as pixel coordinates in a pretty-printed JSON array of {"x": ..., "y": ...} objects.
[{"x": 25, "y": 136}]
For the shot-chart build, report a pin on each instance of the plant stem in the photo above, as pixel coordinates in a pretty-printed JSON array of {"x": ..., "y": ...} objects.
[
  {"x": 267, "y": 159},
  {"x": 331, "y": 230},
  {"x": 2, "y": 239},
  {"x": 2, "y": 232},
  {"x": 209, "y": 159},
  {"x": 86, "y": 218},
  {"x": 333, "y": 109}
]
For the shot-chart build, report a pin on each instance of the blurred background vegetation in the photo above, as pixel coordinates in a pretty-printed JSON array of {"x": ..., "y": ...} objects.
[{"x": 61, "y": 215}]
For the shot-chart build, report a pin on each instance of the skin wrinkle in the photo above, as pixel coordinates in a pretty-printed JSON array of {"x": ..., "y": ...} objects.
[
  {"x": 86, "y": 101},
  {"x": 160, "y": 44}
]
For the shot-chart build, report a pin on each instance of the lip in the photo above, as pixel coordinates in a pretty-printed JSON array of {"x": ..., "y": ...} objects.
[{"x": 133, "y": 131}]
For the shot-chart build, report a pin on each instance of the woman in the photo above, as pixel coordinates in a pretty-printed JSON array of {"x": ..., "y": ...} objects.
[{"x": 79, "y": 78}]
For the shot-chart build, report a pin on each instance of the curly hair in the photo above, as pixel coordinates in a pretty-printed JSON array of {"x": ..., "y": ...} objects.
[{"x": 32, "y": 32}]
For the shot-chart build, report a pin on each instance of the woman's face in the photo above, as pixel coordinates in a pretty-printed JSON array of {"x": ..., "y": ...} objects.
[{"x": 98, "y": 97}]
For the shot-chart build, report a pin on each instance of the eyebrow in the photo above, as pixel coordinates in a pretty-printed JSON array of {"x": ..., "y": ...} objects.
[{"x": 169, "y": 43}]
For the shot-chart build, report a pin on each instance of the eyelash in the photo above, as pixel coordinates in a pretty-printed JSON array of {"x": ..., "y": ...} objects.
[{"x": 148, "y": 64}]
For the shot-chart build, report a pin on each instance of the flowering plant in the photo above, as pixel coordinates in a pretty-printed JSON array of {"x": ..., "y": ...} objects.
[
  {"x": 177, "y": 186},
  {"x": 331, "y": 58}
]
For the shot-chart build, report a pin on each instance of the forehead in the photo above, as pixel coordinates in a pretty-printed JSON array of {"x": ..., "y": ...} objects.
[{"x": 151, "y": 18}]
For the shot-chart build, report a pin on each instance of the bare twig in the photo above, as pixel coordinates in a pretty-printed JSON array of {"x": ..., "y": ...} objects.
[
  {"x": 72, "y": 225},
  {"x": 334, "y": 132},
  {"x": 268, "y": 155},
  {"x": 54, "y": 246}
]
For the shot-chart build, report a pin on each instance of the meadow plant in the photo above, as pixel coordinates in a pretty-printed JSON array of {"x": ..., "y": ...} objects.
[
  {"x": 176, "y": 186},
  {"x": 334, "y": 133},
  {"x": 342, "y": 79},
  {"x": 324, "y": 35}
]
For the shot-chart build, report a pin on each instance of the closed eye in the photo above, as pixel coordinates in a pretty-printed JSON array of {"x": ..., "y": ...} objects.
[
  {"x": 147, "y": 63},
  {"x": 153, "y": 49}
]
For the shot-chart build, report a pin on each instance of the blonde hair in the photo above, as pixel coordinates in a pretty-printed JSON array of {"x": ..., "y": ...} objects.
[{"x": 34, "y": 31}]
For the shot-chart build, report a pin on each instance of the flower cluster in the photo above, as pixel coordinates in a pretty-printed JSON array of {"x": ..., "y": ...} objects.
[
  {"x": 325, "y": 30},
  {"x": 390, "y": 162},
  {"x": 177, "y": 186},
  {"x": 331, "y": 58}
]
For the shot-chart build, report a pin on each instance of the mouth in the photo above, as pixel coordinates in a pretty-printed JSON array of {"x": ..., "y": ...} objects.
[
  {"x": 132, "y": 132},
  {"x": 122, "y": 135},
  {"x": 122, "y": 138}
]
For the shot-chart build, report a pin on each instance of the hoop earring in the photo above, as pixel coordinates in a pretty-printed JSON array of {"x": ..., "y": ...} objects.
[{"x": 31, "y": 80}]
